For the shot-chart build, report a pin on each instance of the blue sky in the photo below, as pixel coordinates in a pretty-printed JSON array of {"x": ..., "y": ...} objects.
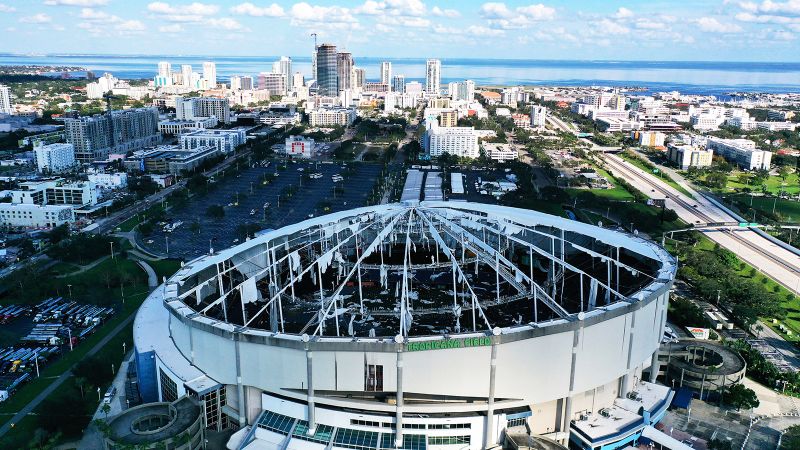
[{"x": 749, "y": 30}]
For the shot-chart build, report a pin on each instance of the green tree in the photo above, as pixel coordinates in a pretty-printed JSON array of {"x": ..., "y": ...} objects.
[
  {"x": 215, "y": 211},
  {"x": 717, "y": 180},
  {"x": 739, "y": 396}
]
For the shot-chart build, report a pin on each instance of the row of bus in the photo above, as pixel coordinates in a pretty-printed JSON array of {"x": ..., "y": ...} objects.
[
  {"x": 62, "y": 311},
  {"x": 11, "y": 312}
]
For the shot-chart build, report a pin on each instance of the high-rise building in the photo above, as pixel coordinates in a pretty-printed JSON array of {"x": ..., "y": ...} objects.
[
  {"x": 433, "y": 76},
  {"x": 202, "y": 107},
  {"x": 359, "y": 77},
  {"x": 298, "y": 80},
  {"x": 462, "y": 90},
  {"x": 54, "y": 158},
  {"x": 118, "y": 132},
  {"x": 327, "y": 84},
  {"x": 186, "y": 71},
  {"x": 275, "y": 83},
  {"x": 247, "y": 83},
  {"x": 5, "y": 100},
  {"x": 164, "y": 69},
  {"x": 210, "y": 75},
  {"x": 236, "y": 83},
  {"x": 283, "y": 66},
  {"x": 399, "y": 84},
  {"x": 344, "y": 70},
  {"x": 386, "y": 72},
  {"x": 538, "y": 116}
]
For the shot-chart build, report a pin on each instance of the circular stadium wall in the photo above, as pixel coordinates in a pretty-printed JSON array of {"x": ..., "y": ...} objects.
[{"x": 441, "y": 321}]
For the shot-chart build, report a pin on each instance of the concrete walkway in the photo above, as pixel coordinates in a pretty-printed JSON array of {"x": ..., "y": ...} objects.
[
  {"x": 82, "y": 269},
  {"x": 152, "y": 278}
]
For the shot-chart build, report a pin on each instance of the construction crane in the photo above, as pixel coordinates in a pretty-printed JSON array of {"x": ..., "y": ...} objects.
[
  {"x": 314, "y": 35},
  {"x": 108, "y": 96}
]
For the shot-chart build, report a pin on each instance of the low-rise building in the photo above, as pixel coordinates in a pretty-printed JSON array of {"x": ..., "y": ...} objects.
[
  {"x": 500, "y": 152},
  {"x": 650, "y": 138},
  {"x": 173, "y": 127},
  {"x": 299, "y": 146},
  {"x": 742, "y": 152},
  {"x": 326, "y": 117},
  {"x": 610, "y": 124},
  {"x": 109, "y": 181},
  {"x": 170, "y": 160},
  {"x": 685, "y": 156},
  {"x": 54, "y": 158},
  {"x": 26, "y": 215},
  {"x": 55, "y": 192},
  {"x": 225, "y": 141},
  {"x": 521, "y": 121}
]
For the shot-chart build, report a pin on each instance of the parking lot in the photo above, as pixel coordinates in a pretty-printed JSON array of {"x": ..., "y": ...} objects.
[{"x": 259, "y": 204}]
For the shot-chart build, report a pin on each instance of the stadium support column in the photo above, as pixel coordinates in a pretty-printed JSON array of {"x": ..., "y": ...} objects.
[
  {"x": 576, "y": 339},
  {"x": 239, "y": 388},
  {"x": 654, "y": 367},
  {"x": 398, "y": 440},
  {"x": 312, "y": 423},
  {"x": 488, "y": 436},
  {"x": 624, "y": 387}
]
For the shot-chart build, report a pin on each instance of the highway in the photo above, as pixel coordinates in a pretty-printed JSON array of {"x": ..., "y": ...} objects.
[{"x": 780, "y": 264}]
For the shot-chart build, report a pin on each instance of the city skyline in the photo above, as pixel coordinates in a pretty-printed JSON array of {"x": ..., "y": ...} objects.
[{"x": 711, "y": 30}]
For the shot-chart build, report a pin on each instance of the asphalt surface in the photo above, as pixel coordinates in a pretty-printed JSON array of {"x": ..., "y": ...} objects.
[{"x": 311, "y": 197}]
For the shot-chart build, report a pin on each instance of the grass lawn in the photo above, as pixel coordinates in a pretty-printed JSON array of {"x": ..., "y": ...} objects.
[
  {"x": 617, "y": 193},
  {"x": 774, "y": 184},
  {"x": 788, "y": 209},
  {"x": 165, "y": 267}
]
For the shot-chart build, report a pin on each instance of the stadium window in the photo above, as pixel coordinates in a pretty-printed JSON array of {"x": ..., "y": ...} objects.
[
  {"x": 373, "y": 378},
  {"x": 518, "y": 422},
  {"x": 169, "y": 390}
]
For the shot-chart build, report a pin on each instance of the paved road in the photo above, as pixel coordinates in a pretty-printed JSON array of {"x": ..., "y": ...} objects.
[{"x": 61, "y": 379}]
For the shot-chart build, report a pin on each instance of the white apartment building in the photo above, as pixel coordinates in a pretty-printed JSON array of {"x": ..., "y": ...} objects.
[
  {"x": 386, "y": 72},
  {"x": 186, "y": 75},
  {"x": 461, "y": 90},
  {"x": 225, "y": 141},
  {"x": 54, "y": 158},
  {"x": 55, "y": 192},
  {"x": 201, "y": 108},
  {"x": 299, "y": 146},
  {"x": 457, "y": 141},
  {"x": 14, "y": 215},
  {"x": 686, "y": 156},
  {"x": 500, "y": 152},
  {"x": 325, "y": 117},
  {"x": 394, "y": 101},
  {"x": 109, "y": 181},
  {"x": 413, "y": 87},
  {"x": 103, "y": 84},
  {"x": 209, "y": 75},
  {"x": 174, "y": 127},
  {"x": 433, "y": 76},
  {"x": 283, "y": 67},
  {"x": 777, "y": 126},
  {"x": 651, "y": 138},
  {"x": 538, "y": 116},
  {"x": 5, "y": 100},
  {"x": 742, "y": 152}
]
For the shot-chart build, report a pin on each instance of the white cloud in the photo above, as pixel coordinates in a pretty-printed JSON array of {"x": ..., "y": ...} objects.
[
  {"x": 623, "y": 13},
  {"x": 783, "y": 35},
  {"x": 500, "y": 16},
  {"x": 400, "y": 8},
  {"x": 302, "y": 13},
  {"x": 765, "y": 18},
  {"x": 226, "y": 23},
  {"x": 789, "y": 7},
  {"x": 193, "y": 12},
  {"x": 607, "y": 26},
  {"x": 436, "y": 11},
  {"x": 712, "y": 25},
  {"x": 172, "y": 28},
  {"x": 481, "y": 31},
  {"x": 249, "y": 9},
  {"x": 130, "y": 26},
  {"x": 647, "y": 24},
  {"x": 36, "y": 18},
  {"x": 84, "y": 3},
  {"x": 414, "y": 22},
  {"x": 93, "y": 14},
  {"x": 6, "y": 8}
]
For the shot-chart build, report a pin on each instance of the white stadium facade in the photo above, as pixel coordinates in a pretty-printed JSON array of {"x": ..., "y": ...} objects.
[{"x": 433, "y": 325}]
